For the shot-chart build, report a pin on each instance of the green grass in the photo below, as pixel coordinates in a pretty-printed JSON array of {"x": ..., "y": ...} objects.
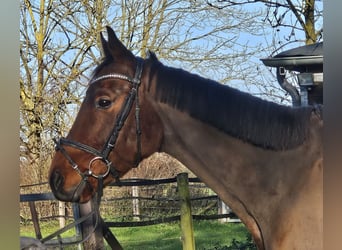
[
  {"x": 46, "y": 229},
  {"x": 209, "y": 235}
]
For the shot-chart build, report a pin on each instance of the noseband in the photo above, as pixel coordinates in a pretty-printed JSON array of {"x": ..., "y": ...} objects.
[{"x": 120, "y": 121}]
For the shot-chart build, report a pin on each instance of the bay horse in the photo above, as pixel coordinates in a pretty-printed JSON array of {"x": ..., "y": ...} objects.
[{"x": 263, "y": 159}]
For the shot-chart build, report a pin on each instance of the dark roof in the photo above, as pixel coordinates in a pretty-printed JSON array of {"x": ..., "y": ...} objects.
[
  {"x": 315, "y": 49},
  {"x": 308, "y": 58}
]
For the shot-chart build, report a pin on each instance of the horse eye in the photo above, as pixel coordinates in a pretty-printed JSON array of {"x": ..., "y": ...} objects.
[{"x": 103, "y": 103}]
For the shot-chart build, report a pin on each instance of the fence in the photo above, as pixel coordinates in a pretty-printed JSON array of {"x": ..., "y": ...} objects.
[{"x": 137, "y": 202}]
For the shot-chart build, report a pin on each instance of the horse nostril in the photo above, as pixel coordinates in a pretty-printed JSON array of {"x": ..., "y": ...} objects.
[{"x": 56, "y": 180}]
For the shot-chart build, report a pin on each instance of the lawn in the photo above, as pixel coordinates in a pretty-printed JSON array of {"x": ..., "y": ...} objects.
[{"x": 209, "y": 235}]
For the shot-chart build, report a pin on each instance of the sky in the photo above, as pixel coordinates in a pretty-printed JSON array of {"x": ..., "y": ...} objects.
[{"x": 264, "y": 41}]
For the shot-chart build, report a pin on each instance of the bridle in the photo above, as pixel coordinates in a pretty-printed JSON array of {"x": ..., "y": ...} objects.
[
  {"x": 107, "y": 148},
  {"x": 111, "y": 141}
]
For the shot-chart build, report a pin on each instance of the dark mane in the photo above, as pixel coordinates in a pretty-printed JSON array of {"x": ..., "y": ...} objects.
[{"x": 251, "y": 119}]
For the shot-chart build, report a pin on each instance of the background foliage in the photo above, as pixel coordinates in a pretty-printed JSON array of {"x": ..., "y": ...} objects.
[{"x": 221, "y": 40}]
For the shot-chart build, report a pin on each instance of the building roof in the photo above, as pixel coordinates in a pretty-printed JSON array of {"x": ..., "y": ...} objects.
[{"x": 308, "y": 58}]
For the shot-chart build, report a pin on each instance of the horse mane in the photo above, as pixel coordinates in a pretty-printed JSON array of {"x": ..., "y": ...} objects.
[{"x": 241, "y": 115}]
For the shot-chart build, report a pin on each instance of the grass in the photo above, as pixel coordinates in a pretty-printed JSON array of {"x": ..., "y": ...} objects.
[
  {"x": 46, "y": 229},
  {"x": 209, "y": 235}
]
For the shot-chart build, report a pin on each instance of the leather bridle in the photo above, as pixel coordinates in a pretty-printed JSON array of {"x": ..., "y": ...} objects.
[
  {"x": 111, "y": 141},
  {"x": 108, "y": 147}
]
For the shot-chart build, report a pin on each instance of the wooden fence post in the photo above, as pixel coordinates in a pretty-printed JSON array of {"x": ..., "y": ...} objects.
[
  {"x": 222, "y": 209},
  {"x": 35, "y": 220},
  {"x": 61, "y": 213},
  {"x": 135, "y": 201},
  {"x": 188, "y": 240}
]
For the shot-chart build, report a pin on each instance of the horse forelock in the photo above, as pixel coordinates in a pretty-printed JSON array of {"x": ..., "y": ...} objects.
[
  {"x": 105, "y": 62},
  {"x": 241, "y": 115}
]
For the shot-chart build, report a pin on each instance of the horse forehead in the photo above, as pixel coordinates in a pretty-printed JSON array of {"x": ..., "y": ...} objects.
[{"x": 108, "y": 87}]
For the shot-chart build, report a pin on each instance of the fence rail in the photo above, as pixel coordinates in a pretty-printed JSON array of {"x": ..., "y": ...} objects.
[{"x": 136, "y": 215}]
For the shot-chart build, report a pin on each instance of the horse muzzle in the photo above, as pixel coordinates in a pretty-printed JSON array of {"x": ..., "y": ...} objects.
[{"x": 80, "y": 192}]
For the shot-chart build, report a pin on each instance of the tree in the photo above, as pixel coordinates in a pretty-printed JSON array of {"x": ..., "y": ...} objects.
[
  {"x": 294, "y": 15},
  {"x": 53, "y": 59},
  {"x": 292, "y": 23},
  {"x": 59, "y": 43}
]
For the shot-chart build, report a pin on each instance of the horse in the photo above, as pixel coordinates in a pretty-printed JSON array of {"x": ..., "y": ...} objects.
[{"x": 263, "y": 159}]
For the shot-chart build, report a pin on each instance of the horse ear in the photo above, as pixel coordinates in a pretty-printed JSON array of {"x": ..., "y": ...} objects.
[
  {"x": 152, "y": 55},
  {"x": 115, "y": 46},
  {"x": 105, "y": 48}
]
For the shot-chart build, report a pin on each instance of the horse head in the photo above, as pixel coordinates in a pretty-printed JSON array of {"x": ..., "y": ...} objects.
[{"x": 114, "y": 121}]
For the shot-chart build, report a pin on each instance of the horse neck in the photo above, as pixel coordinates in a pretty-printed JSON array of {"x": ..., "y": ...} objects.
[
  {"x": 238, "y": 120},
  {"x": 259, "y": 122},
  {"x": 236, "y": 170}
]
